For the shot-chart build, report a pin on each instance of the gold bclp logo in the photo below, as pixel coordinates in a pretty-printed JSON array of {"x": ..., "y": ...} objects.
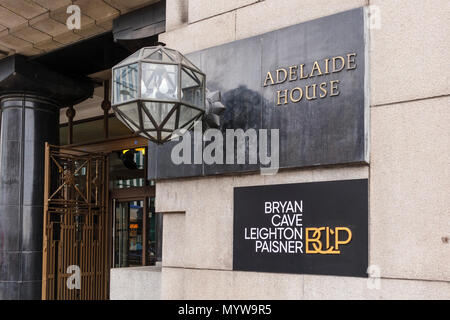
[{"x": 315, "y": 242}]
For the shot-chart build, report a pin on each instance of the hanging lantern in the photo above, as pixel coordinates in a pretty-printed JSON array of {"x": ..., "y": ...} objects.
[{"x": 158, "y": 93}]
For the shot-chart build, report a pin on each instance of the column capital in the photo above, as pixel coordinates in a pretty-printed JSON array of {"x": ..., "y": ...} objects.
[{"x": 21, "y": 75}]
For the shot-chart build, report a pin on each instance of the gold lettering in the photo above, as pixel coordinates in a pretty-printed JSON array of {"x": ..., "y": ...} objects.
[
  {"x": 334, "y": 88},
  {"x": 327, "y": 62},
  {"x": 300, "y": 95},
  {"x": 292, "y": 73},
  {"x": 335, "y": 69},
  {"x": 307, "y": 92},
  {"x": 278, "y": 75},
  {"x": 302, "y": 75},
  {"x": 315, "y": 67},
  {"x": 322, "y": 87},
  {"x": 314, "y": 241},
  {"x": 268, "y": 77},
  {"x": 327, "y": 233},
  {"x": 351, "y": 64},
  {"x": 281, "y": 96},
  {"x": 337, "y": 242}
]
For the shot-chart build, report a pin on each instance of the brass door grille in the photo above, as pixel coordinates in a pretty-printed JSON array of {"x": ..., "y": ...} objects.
[{"x": 75, "y": 224}]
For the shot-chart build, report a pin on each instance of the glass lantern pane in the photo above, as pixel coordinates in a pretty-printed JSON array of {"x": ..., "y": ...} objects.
[
  {"x": 159, "y": 81},
  {"x": 189, "y": 79},
  {"x": 158, "y": 110},
  {"x": 175, "y": 55},
  {"x": 165, "y": 134},
  {"x": 191, "y": 124},
  {"x": 192, "y": 88},
  {"x": 170, "y": 124},
  {"x": 149, "y": 134},
  {"x": 125, "y": 83},
  {"x": 187, "y": 115},
  {"x": 147, "y": 51},
  {"x": 157, "y": 55},
  {"x": 133, "y": 58},
  {"x": 129, "y": 125},
  {"x": 148, "y": 124},
  {"x": 188, "y": 63},
  {"x": 131, "y": 112}
]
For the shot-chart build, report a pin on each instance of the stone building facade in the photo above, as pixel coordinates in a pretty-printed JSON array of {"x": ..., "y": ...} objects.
[
  {"x": 405, "y": 159},
  {"x": 408, "y": 171}
]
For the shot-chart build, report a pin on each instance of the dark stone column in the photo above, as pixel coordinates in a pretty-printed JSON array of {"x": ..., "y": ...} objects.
[
  {"x": 27, "y": 122},
  {"x": 30, "y": 97}
]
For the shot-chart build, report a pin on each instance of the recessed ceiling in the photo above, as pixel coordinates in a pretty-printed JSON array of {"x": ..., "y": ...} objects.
[{"x": 32, "y": 27}]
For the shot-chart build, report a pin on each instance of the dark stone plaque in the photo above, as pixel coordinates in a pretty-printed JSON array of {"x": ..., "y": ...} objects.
[
  {"x": 307, "y": 228},
  {"x": 314, "y": 129}
]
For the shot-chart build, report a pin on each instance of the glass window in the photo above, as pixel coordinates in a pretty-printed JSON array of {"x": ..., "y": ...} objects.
[
  {"x": 128, "y": 236},
  {"x": 154, "y": 234},
  {"x": 127, "y": 168},
  {"x": 92, "y": 130},
  {"x": 117, "y": 128}
]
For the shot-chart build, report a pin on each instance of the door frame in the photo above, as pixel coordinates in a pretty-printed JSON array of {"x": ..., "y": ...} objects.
[{"x": 126, "y": 195}]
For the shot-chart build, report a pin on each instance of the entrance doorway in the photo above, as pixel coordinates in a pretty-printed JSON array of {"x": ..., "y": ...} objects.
[
  {"x": 136, "y": 233},
  {"x": 128, "y": 233},
  {"x": 85, "y": 234},
  {"x": 99, "y": 214}
]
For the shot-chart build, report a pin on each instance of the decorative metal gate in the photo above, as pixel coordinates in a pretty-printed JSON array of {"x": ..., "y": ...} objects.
[{"x": 75, "y": 225}]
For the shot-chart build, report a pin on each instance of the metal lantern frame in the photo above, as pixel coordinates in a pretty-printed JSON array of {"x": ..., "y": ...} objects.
[{"x": 181, "y": 62}]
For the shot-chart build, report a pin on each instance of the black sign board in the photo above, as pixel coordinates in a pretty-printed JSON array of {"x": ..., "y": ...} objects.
[
  {"x": 308, "y": 81},
  {"x": 312, "y": 228}
]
